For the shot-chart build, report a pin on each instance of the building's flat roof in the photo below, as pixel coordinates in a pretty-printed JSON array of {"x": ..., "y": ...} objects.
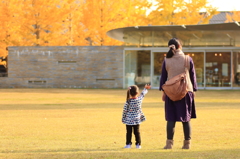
[{"x": 227, "y": 34}]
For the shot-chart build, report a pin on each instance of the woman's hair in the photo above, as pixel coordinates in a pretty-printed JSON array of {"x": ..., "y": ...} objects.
[
  {"x": 176, "y": 43},
  {"x": 132, "y": 91}
]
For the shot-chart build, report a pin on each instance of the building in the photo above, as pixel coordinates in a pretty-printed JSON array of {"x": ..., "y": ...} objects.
[
  {"x": 215, "y": 49},
  {"x": 63, "y": 67}
]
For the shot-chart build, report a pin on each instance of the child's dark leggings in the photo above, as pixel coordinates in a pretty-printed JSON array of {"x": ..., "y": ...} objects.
[
  {"x": 136, "y": 130},
  {"x": 171, "y": 130}
]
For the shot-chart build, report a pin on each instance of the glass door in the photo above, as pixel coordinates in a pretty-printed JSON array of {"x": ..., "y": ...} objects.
[
  {"x": 218, "y": 69},
  {"x": 236, "y": 69},
  {"x": 158, "y": 58},
  {"x": 137, "y": 68},
  {"x": 198, "y": 60}
]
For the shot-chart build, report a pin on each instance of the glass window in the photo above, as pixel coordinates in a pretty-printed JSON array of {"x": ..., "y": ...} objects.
[
  {"x": 202, "y": 38},
  {"x": 236, "y": 69},
  {"x": 217, "y": 73},
  {"x": 198, "y": 60},
  {"x": 218, "y": 66},
  {"x": 157, "y": 68},
  {"x": 3, "y": 67},
  {"x": 137, "y": 68}
]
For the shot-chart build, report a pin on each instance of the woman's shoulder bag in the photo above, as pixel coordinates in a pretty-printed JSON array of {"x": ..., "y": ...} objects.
[{"x": 176, "y": 87}]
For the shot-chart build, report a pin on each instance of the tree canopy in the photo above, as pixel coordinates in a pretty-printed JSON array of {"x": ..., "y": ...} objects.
[
  {"x": 85, "y": 22},
  {"x": 233, "y": 16},
  {"x": 179, "y": 12}
]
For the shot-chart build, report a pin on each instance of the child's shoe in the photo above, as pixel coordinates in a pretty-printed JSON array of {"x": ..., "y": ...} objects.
[
  {"x": 138, "y": 146},
  {"x": 127, "y": 146}
]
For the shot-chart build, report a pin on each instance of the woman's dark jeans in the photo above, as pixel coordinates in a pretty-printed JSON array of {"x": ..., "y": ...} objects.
[{"x": 171, "y": 130}]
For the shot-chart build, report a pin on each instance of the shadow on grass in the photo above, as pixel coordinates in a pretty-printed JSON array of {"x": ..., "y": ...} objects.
[
  {"x": 58, "y": 106},
  {"x": 105, "y": 105},
  {"x": 124, "y": 154}
]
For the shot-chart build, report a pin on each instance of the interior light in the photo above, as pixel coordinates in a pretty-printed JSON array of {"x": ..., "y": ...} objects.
[
  {"x": 220, "y": 54},
  {"x": 215, "y": 54}
]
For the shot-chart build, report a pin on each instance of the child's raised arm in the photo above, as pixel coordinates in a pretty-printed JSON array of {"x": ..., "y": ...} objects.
[
  {"x": 145, "y": 91},
  {"x": 147, "y": 86}
]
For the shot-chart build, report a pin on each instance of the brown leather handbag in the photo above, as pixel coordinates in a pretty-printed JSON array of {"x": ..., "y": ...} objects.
[{"x": 176, "y": 87}]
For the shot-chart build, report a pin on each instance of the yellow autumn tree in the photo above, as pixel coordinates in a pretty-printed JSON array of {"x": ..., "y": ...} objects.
[
  {"x": 8, "y": 25},
  {"x": 102, "y": 16},
  {"x": 42, "y": 22},
  {"x": 72, "y": 26},
  {"x": 179, "y": 12},
  {"x": 233, "y": 16},
  {"x": 85, "y": 22}
]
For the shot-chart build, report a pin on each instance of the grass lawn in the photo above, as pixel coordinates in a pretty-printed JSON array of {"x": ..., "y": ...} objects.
[{"x": 86, "y": 124}]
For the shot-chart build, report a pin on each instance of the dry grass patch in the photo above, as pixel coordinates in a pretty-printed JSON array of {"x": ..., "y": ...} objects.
[{"x": 86, "y": 123}]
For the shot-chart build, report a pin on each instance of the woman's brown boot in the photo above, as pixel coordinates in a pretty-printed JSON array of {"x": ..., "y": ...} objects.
[
  {"x": 169, "y": 144},
  {"x": 186, "y": 144}
]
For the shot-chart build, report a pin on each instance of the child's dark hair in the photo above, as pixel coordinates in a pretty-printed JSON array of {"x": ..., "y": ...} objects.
[
  {"x": 173, "y": 41},
  {"x": 132, "y": 91}
]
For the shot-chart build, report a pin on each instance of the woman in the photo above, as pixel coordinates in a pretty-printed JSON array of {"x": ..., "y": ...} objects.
[{"x": 184, "y": 109}]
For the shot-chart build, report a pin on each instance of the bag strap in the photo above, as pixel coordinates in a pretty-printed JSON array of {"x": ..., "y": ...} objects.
[{"x": 186, "y": 62}]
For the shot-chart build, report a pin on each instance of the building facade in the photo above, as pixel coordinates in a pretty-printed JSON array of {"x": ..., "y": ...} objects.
[
  {"x": 63, "y": 67},
  {"x": 215, "y": 49}
]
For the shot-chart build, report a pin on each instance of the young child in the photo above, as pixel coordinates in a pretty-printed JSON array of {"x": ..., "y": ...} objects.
[{"x": 132, "y": 114}]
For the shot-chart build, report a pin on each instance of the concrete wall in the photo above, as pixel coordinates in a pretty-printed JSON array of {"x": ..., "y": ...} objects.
[{"x": 64, "y": 67}]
